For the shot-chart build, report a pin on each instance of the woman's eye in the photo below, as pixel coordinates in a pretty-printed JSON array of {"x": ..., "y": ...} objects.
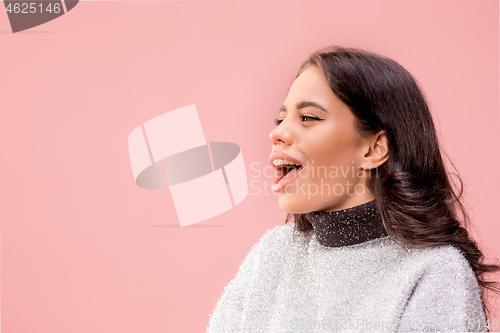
[
  {"x": 310, "y": 118},
  {"x": 304, "y": 118}
]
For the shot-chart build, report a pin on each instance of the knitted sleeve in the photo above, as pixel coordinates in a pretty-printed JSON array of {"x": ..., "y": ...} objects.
[{"x": 446, "y": 297}]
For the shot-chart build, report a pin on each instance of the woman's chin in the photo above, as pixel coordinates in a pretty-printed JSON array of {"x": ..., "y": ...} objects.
[{"x": 293, "y": 204}]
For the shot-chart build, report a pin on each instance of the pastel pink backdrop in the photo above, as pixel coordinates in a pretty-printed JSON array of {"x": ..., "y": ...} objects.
[{"x": 86, "y": 250}]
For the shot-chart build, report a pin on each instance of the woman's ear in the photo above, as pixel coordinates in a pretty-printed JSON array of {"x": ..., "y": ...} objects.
[{"x": 376, "y": 151}]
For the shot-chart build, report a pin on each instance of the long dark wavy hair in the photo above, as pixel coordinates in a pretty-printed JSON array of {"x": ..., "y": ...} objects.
[{"x": 418, "y": 205}]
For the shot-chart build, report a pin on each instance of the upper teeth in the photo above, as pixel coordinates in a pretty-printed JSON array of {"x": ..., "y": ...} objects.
[{"x": 282, "y": 162}]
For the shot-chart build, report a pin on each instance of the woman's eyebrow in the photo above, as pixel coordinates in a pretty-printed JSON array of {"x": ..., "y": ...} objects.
[{"x": 305, "y": 104}]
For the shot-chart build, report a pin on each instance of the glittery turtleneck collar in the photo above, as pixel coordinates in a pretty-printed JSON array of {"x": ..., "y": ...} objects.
[{"x": 348, "y": 226}]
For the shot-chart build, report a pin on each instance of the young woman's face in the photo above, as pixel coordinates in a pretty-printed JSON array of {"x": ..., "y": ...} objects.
[{"x": 317, "y": 131}]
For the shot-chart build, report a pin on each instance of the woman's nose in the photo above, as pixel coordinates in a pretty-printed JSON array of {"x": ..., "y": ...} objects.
[{"x": 281, "y": 135}]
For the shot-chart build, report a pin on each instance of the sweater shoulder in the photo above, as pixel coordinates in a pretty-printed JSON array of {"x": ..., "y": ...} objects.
[
  {"x": 445, "y": 286},
  {"x": 442, "y": 256},
  {"x": 279, "y": 235},
  {"x": 445, "y": 262}
]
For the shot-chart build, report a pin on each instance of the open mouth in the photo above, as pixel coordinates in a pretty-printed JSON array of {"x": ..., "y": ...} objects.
[
  {"x": 286, "y": 172},
  {"x": 283, "y": 171}
]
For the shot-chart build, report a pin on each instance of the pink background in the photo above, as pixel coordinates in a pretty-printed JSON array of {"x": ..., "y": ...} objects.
[{"x": 86, "y": 250}]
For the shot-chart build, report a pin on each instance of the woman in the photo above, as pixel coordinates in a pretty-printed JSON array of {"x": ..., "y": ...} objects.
[{"x": 376, "y": 243}]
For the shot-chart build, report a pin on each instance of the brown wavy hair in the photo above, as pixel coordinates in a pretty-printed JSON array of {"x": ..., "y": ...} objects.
[{"x": 418, "y": 205}]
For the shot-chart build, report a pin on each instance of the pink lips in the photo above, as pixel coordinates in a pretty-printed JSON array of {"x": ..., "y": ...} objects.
[{"x": 280, "y": 183}]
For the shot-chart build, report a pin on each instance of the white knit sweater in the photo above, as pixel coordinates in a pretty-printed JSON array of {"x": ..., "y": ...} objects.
[{"x": 290, "y": 283}]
